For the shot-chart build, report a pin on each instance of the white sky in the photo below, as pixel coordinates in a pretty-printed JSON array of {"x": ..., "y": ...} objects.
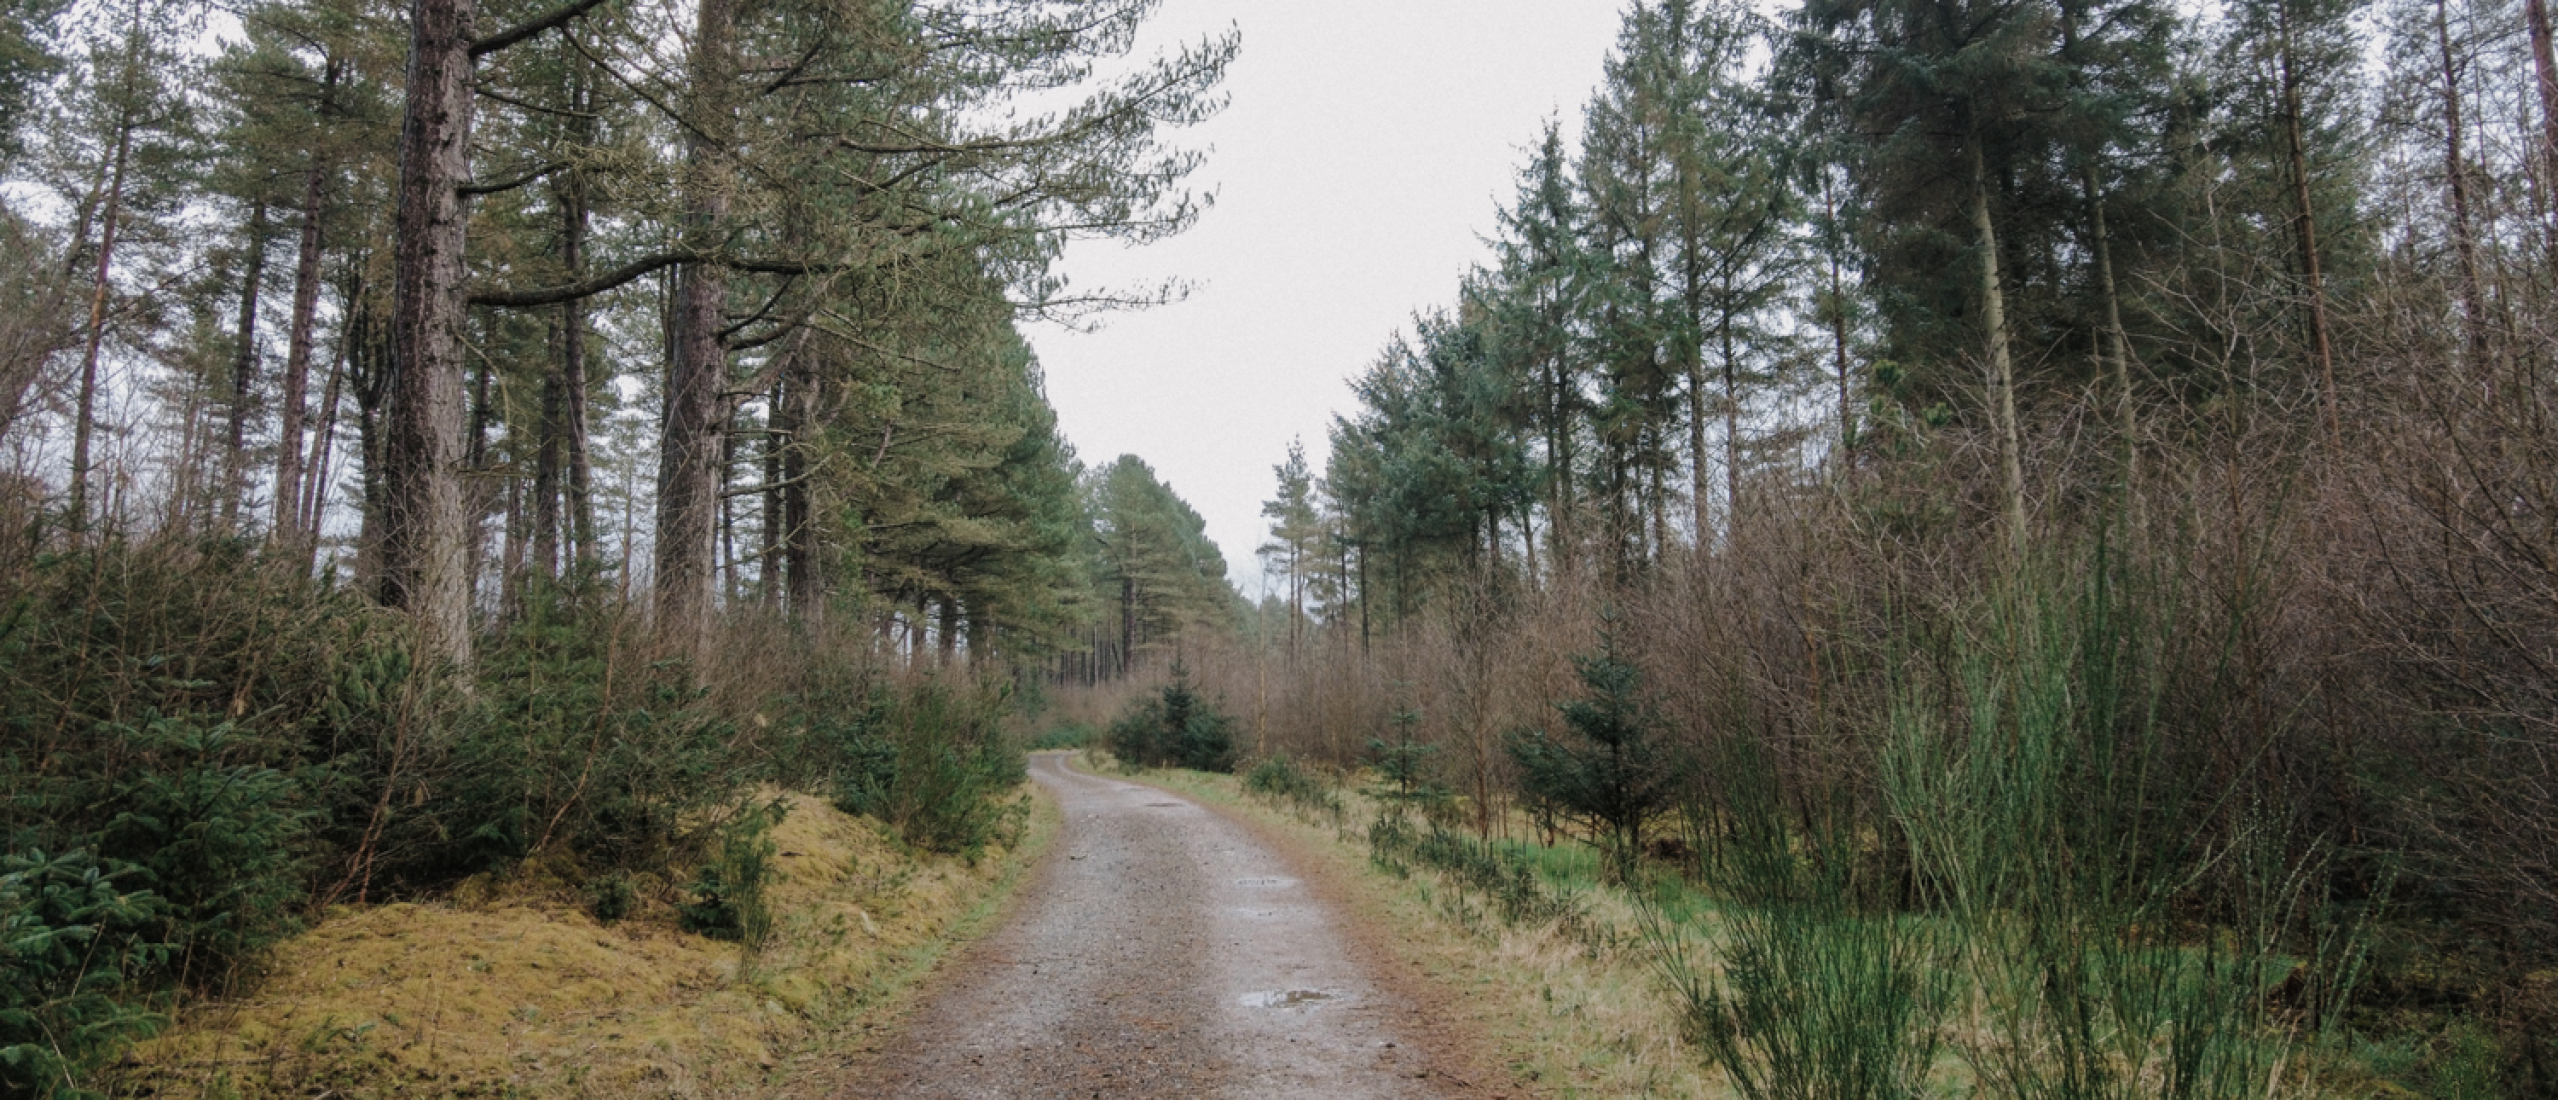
[{"x": 1367, "y": 147}]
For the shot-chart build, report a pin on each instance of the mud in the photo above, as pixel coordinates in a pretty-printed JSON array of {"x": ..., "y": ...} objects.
[{"x": 1163, "y": 950}]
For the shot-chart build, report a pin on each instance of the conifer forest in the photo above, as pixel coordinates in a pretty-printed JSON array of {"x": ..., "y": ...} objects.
[{"x": 2019, "y": 538}]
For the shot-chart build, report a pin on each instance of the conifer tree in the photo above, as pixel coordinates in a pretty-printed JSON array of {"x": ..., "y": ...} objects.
[
  {"x": 1611, "y": 769},
  {"x": 1296, "y": 532}
]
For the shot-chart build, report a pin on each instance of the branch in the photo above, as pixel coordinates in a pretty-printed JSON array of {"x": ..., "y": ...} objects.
[
  {"x": 583, "y": 288},
  {"x": 495, "y": 186},
  {"x": 593, "y": 285},
  {"x": 558, "y": 17},
  {"x": 774, "y": 368},
  {"x": 529, "y": 105}
]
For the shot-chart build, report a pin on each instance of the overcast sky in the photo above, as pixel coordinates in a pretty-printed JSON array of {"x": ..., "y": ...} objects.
[{"x": 1367, "y": 147}]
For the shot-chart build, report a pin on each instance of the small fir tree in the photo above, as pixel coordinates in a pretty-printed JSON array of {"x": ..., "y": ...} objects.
[{"x": 1611, "y": 772}]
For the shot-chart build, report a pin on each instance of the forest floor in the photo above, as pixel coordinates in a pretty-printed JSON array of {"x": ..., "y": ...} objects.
[{"x": 1169, "y": 948}]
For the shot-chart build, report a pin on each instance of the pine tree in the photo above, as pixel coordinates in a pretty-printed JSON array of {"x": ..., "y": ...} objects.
[
  {"x": 1536, "y": 301},
  {"x": 1296, "y": 532},
  {"x": 1611, "y": 770}
]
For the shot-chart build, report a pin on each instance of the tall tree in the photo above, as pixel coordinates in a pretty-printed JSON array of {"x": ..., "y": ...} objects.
[
  {"x": 1296, "y": 532},
  {"x": 1540, "y": 285},
  {"x": 1954, "y": 99}
]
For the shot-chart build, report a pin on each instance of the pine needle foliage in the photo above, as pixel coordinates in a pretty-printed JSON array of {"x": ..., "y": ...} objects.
[
  {"x": 1175, "y": 728},
  {"x": 1613, "y": 771}
]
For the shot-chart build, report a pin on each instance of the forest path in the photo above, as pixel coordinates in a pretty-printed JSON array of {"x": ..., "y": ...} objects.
[{"x": 1164, "y": 949}]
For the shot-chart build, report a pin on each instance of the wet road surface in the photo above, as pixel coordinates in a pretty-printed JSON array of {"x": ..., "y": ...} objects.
[{"x": 1162, "y": 950}]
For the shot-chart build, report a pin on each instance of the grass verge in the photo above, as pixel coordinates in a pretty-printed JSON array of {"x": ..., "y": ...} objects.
[{"x": 515, "y": 988}]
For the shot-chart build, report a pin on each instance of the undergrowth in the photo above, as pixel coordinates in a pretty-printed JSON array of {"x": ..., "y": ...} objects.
[{"x": 201, "y": 747}]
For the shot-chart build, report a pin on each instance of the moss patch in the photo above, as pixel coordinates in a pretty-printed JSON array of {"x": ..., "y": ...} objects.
[{"x": 514, "y": 989}]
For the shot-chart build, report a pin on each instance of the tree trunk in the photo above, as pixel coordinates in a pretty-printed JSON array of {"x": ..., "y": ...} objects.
[
  {"x": 689, "y": 458},
  {"x": 799, "y": 531},
  {"x": 547, "y": 454},
  {"x": 511, "y": 567},
  {"x": 297, "y": 355},
  {"x": 1700, "y": 479},
  {"x": 2002, "y": 369},
  {"x": 768, "y": 550},
  {"x": 2306, "y": 227},
  {"x": 2118, "y": 345},
  {"x": 1731, "y": 408},
  {"x": 581, "y": 478},
  {"x": 84, "y": 416},
  {"x": 314, "y": 492},
  {"x": 2114, "y": 355},
  {"x": 1127, "y": 619},
  {"x": 1558, "y": 449},
  {"x": 480, "y": 491},
  {"x": 946, "y": 643},
  {"x": 244, "y": 370},
  {"x": 425, "y": 528},
  {"x": 2456, "y": 179},
  {"x": 2544, "y": 69},
  {"x": 1838, "y": 327}
]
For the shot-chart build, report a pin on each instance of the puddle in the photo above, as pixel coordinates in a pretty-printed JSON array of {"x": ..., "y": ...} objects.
[
  {"x": 1287, "y": 998},
  {"x": 1265, "y": 882},
  {"x": 1162, "y": 805}
]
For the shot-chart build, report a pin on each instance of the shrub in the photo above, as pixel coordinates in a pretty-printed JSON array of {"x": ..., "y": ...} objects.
[
  {"x": 933, "y": 761},
  {"x": 1065, "y": 735},
  {"x": 1404, "y": 765},
  {"x": 222, "y": 840},
  {"x": 611, "y": 897},
  {"x": 1612, "y": 772},
  {"x": 575, "y": 742},
  {"x": 76, "y": 948},
  {"x": 728, "y": 891},
  {"x": 1174, "y": 728},
  {"x": 1282, "y": 778}
]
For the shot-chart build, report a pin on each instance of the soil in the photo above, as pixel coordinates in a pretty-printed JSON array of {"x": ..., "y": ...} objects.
[{"x": 1164, "y": 949}]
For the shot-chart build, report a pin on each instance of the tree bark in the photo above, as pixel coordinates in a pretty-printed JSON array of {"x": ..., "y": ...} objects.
[
  {"x": 425, "y": 526},
  {"x": 1731, "y": 406},
  {"x": 768, "y": 549},
  {"x": 1838, "y": 326},
  {"x": 2118, "y": 345},
  {"x": 314, "y": 491},
  {"x": 84, "y": 416},
  {"x": 2002, "y": 370},
  {"x": 2544, "y": 67},
  {"x": 547, "y": 456},
  {"x": 2456, "y": 180},
  {"x": 2306, "y": 227},
  {"x": 807, "y": 594},
  {"x": 244, "y": 369},
  {"x": 297, "y": 355},
  {"x": 581, "y": 489},
  {"x": 480, "y": 490},
  {"x": 689, "y": 458},
  {"x": 946, "y": 642}
]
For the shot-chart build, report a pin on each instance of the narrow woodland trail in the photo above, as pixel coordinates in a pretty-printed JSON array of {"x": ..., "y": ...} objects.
[{"x": 1164, "y": 950}]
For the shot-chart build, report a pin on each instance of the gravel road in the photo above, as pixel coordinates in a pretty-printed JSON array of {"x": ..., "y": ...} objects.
[{"x": 1163, "y": 949}]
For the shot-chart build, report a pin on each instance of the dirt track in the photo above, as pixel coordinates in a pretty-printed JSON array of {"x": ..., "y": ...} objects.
[{"x": 1165, "y": 950}]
